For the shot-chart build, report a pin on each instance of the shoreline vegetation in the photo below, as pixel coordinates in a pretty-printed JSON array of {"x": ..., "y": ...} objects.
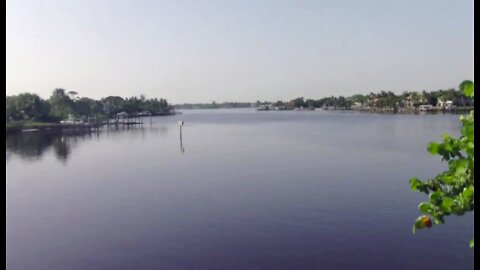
[
  {"x": 64, "y": 109},
  {"x": 29, "y": 112},
  {"x": 445, "y": 101}
]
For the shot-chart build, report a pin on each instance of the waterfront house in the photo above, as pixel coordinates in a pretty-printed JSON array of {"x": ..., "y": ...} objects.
[
  {"x": 121, "y": 117},
  {"x": 447, "y": 104},
  {"x": 356, "y": 105}
]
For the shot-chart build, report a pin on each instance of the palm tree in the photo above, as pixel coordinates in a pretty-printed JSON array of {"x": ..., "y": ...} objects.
[{"x": 73, "y": 95}]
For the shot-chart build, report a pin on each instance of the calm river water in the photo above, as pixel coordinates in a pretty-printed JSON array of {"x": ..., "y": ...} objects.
[{"x": 242, "y": 190}]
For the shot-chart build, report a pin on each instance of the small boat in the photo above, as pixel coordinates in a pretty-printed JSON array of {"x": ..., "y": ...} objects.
[
  {"x": 30, "y": 130},
  {"x": 425, "y": 108}
]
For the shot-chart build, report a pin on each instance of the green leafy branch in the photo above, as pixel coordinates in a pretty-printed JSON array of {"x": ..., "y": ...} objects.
[{"x": 451, "y": 192}]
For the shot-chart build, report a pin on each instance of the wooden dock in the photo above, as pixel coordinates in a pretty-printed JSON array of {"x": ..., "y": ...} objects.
[{"x": 87, "y": 125}]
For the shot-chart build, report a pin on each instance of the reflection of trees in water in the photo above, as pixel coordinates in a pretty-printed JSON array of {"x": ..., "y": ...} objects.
[
  {"x": 29, "y": 145},
  {"x": 32, "y": 145},
  {"x": 61, "y": 148}
]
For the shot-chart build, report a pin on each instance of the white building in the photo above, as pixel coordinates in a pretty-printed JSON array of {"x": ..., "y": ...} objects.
[{"x": 445, "y": 104}]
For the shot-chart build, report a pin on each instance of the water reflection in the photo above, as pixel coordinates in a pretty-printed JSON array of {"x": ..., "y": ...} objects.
[
  {"x": 182, "y": 149},
  {"x": 29, "y": 145},
  {"x": 33, "y": 145},
  {"x": 61, "y": 147}
]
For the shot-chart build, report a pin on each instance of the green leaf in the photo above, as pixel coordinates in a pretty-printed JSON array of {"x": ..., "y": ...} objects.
[
  {"x": 470, "y": 145},
  {"x": 446, "y": 204},
  {"x": 467, "y": 88},
  {"x": 468, "y": 131},
  {"x": 447, "y": 179},
  {"x": 446, "y": 137},
  {"x": 435, "y": 196},
  {"x": 418, "y": 224},
  {"x": 414, "y": 183},
  {"x": 424, "y": 207},
  {"x": 471, "y": 243},
  {"x": 433, "y": 148},
  {"x": 468, "y": 192}
]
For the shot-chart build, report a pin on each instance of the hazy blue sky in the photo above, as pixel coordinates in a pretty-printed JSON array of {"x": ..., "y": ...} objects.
[{"x": 199, "y": 51}]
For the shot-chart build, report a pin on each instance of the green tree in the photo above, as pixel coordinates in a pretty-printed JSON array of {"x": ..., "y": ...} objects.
[
  {"x": 132, "y": 105},
  {"x": 88, "y": 107},
  {"x": 279, "y": 103},
  {"x": 451, "y": 192},
  {"x": 341, "y": 102},
  {"x": 26, "y": 106},
  {"x": 73, "y": 95},
  {"x": 299, "y": 102},
  {"x": 310, "y": 103},
  {"x": 12, "y": 110},
  {"x": 61, "y": 103},
  {"x": 359, "y": 98},
  {"x": 112, "y": 104}
]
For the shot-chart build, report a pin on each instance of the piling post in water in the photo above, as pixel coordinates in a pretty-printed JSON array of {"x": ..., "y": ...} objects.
[{"x": 180, "y": 124}]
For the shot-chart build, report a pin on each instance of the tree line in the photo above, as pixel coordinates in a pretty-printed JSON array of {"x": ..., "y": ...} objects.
[
  {"x": 383, "y": 99},
  {"x": 31, "y": 107}
]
